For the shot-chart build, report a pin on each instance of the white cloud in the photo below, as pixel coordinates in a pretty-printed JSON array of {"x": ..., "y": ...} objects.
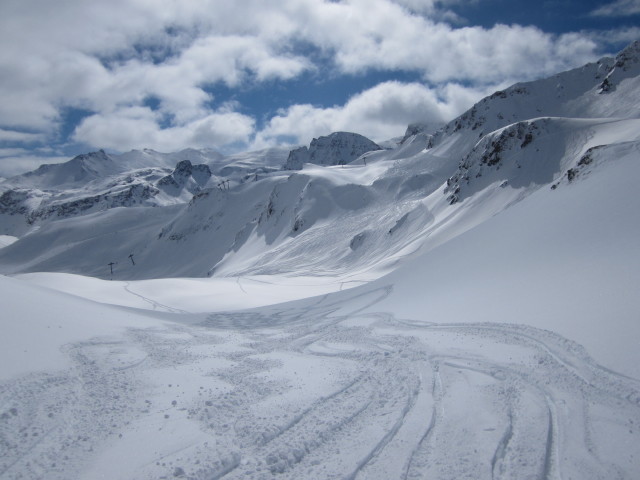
[
  {"x": 11, "y": 152},
  {"x": 379, "y": 113},
  {"x": 13, "y": 136},
  {"x": 612, "y": 39},
  {"x": 435, "y": 9},
  {"x": 82, "y": 54},
  {"x": 109, "y": 57},
  {"x": 139, "y": 127},
  {"x": 619, "y": 8},
  {"x": 381, "y": 35}
]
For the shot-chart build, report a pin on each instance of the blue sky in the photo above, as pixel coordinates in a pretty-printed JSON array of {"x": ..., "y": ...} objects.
[{"x": 233, "y": 75}]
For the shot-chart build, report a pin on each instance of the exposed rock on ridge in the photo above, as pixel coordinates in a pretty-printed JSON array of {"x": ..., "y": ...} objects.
[{"x": 339, "y": 148}]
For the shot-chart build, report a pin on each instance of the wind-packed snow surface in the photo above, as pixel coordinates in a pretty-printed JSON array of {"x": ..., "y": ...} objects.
[{"x": 463, "y": 305}]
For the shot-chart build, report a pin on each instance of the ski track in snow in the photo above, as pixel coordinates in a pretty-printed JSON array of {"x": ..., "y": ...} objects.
[
  {"x": 155, "y": 304},
  {"x": 333, "y": 389},
  {"x": 406, "y": 399}
]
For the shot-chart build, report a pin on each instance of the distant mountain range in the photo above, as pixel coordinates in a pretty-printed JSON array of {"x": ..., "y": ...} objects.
[{"x": 343, "y": 204}]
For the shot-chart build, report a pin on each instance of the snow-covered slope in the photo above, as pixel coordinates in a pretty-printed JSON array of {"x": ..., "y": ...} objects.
[
  {"x": 318, "y": 221},
  {"x": 343, "y": 217},
  {"x": 462, "y": 305},
  {"x": 6, "y": 240},
  {"x": 535, "y": 152},
  {"x": 98, "y": 181},
  {"x": 77, "y": 171},
  {"x": 509, "y": 351},
  {"x": 564, "y": 259},
  {"x": 575, "y": 93},
  {"x": 260, "y": 162}
]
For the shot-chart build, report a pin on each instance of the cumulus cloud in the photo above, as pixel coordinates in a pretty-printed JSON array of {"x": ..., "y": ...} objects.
[
  {"x": 379, "y": 113},
  {"x": 381, "y": 35},
  {"x": 13, "y": 136},
  {"x": 99, "y": 56},
  {"x": 619, "y": 8},
  {"x": 612, "y": 39},
  {"x": 137, "y": 127},
  {"x": 436, "y": 9},
  {"x": 110, "y": 58}
]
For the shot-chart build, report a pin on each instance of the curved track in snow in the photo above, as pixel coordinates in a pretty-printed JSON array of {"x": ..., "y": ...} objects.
[
  {"x": 154, "y": 304},
  {"x": 323, "y": 391}
]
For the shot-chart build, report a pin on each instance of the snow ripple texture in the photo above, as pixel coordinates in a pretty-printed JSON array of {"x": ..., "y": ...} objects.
[{"x": 324, "y": 391}]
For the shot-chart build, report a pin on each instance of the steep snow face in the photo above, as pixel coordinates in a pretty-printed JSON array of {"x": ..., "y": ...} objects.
[
  {"x": 565, "y": 259},
  {"x": 621, "y": 80},
  {"x": 534, "y": 153},
  {"x": 89, "y": 242},
  {"x": 605, "y": 89},
  {"x": 339, "y": 148}
]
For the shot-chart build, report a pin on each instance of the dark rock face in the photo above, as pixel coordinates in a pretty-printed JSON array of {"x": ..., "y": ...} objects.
[
  {"x": 12, "y": 202},
  {"x": 185, "y": 176},
  {"x": 134, "y": 195},
  {"x": 339, "y": 148},
  {"x": 487, "y": 156}
]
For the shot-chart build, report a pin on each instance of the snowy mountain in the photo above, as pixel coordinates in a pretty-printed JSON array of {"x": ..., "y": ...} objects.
[
  {"x": 249, "y": 217},
  {"x": 339, "y": 148},
  {"x": 577, "y": 93},
  {"x": 535, "y": 152},
  {"x": 264, "y": 220},
  {"x": 74, "y": 188},
  {"x": 99, "y": 181},
  {"x": 460, "y": 304},
  {"x": 79, "y": 170}
]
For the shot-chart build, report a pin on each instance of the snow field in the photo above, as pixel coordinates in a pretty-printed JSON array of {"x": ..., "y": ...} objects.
[
  {"x": 465, "y": 306},
  {"x": 6, "y": 240},
  {"x": 333, "y": 389}
]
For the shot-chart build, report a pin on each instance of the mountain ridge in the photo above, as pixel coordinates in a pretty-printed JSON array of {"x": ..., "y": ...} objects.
[{"x": 349, "y": 206}]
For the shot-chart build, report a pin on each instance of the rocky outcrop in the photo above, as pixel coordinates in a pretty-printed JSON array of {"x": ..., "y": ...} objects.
[
  {"x": 185, "y": 176},
  {"x": 339, "y": 148}
]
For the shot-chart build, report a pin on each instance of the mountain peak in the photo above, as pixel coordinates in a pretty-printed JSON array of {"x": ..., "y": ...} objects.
[
  {"x": 80, "y": 169},
  {"x": 632, "y": 51},
  {"x": 184, "y": 167},
  {"x": 186, "y": 176},
  {"x": 338, "y": 148},
  {"x": 575, "y": 93}
]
